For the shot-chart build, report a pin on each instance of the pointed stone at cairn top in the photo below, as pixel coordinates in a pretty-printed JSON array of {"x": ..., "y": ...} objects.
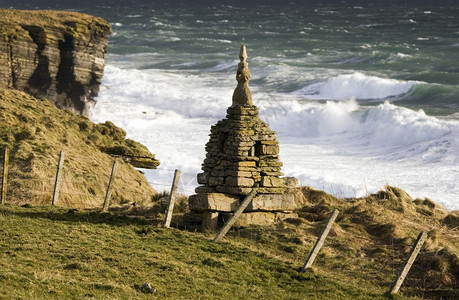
[
  {"x": 243, "y": 54},
  {"x": 242, "y": 95}
]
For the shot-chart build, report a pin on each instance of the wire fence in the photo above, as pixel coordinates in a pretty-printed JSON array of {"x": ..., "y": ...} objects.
[
  {"x": 69, "y": 181},
  {"x": 83, "y": 181}
]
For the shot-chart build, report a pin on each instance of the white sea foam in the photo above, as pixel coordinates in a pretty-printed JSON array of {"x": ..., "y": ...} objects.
[
  {"x": 337, "y": 146},
  {"x": 349, "y": 150},
  {"x": 356, "y": 85},
  {"x": 401, "y": 55},
  {"x": 223, "y": 66},
  {"x": 191, "y": 96}
]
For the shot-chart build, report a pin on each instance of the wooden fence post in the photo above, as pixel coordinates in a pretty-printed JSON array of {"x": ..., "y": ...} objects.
[
  {"x": 320, "y": 241},
  {"x": 170, "y": 207},
  {"x": 408, "y": 263},
  {"x": 108, "y": 194},
  {"x": 5, "y": 175},
  {"x": 57, "y": 183},
  {"x": 235, "y": 216}
]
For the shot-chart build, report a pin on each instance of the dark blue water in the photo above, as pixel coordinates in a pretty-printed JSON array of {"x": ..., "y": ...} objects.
[{"x": 403, "y": 40}]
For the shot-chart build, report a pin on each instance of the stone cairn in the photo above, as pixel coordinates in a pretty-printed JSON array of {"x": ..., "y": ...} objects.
[{"x": 242, "y": 154}]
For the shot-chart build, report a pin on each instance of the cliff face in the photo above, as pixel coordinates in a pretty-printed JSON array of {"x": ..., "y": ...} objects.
[{"x": 54, "y": 55}]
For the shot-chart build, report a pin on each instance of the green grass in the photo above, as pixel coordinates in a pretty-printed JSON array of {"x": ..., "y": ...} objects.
[
  {"x": 57, "y": 253},
  {"x": 61, "y": 253}
]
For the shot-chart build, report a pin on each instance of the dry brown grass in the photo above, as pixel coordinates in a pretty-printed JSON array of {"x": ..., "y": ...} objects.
[
  {"x": 48, "y": 18},
  {"x": 378, "y": 231},
  {"x": 36, "y": 131}
]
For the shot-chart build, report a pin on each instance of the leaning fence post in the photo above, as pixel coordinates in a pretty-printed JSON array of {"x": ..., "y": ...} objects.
[
  {"x": 320, "y": 241},
  {"x": 235, "y": 216},
  {"x": 57, "y": 183},
  {"x": 5, "y": 175},
  {"x": 408, "y": 263},
  {"x": 170, "y": 207},
  {"x": 108, "y": 194}
]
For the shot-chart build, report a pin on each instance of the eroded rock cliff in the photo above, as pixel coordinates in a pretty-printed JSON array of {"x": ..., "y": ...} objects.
[{"x": 53, "y": 54}]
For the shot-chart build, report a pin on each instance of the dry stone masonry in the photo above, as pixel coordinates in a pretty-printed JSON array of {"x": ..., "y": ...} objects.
[{"x": 242, "y": 154}]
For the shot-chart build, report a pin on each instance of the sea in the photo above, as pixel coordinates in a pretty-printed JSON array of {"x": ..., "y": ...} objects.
[{"x": 362, "y": 94}]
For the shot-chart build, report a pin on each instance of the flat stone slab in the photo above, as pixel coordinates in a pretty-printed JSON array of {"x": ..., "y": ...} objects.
[
  {"x": 239, "y": 181},
  {"x": 272, "y": 181},
  {"x": 272, "y": 202},
  {"x": 204, "y": 189},
  {"x": 258, "y": 218},
  {"x": 233, "y": 190},
  {"x": 213, "y": 202}
]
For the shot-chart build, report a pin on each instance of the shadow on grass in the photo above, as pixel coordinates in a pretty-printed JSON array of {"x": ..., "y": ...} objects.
[{"x": 77, "y": 216}]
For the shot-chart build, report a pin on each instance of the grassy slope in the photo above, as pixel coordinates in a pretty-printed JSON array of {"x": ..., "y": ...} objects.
[
  {"x": 60, "y": 253},
  {"x": 35, "y": 131},
  {"x": 106, "y": 257}
]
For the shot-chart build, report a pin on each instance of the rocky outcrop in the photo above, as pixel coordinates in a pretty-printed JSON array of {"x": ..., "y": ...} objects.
[{"x": 54, "y": 55}]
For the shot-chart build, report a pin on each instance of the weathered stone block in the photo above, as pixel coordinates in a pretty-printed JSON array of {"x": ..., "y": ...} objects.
[
  {"x": 264, "y": 170},
  {"x": 272, "y": 181},
  {"x": 213, "y": 181},
  {"x": 204, "y": 189},
  {"x": 203, "y": 177},
  {"x": 258, "y": 218},
  {"x": 239, "y": 173},
  {"x": 268, "y": 137},
  {"x": 244, "y": 144},
  {"x": 263, "y": 149},
  {"x": 214, "y": 202},
  {"x": 217, "y": 172},
  {"x": 242, "y": 158},
  {"x": 242, "y": 110},
  {"x": 270, "y": 163},
  {"x": 246, "y": 149},
  {"x": 210, "y": 161},
  {"x": 271, "y": 190},
  {"x": 239, "y": 181},
  {"x": 246, "y": 132},
  {"x": 233, "y": 190},
  {"x": 274, "y": 142},
  {"x": 272, "y": 202},
  {"x": 244, "y": 169},
  {"x": 209, "y": 220},
  {"x": 272, "y": 173},
  {"x": 238, "y": 164}
]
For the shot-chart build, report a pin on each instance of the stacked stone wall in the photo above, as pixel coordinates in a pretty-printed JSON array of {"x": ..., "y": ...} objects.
[{"x": 242, "y": 155}]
